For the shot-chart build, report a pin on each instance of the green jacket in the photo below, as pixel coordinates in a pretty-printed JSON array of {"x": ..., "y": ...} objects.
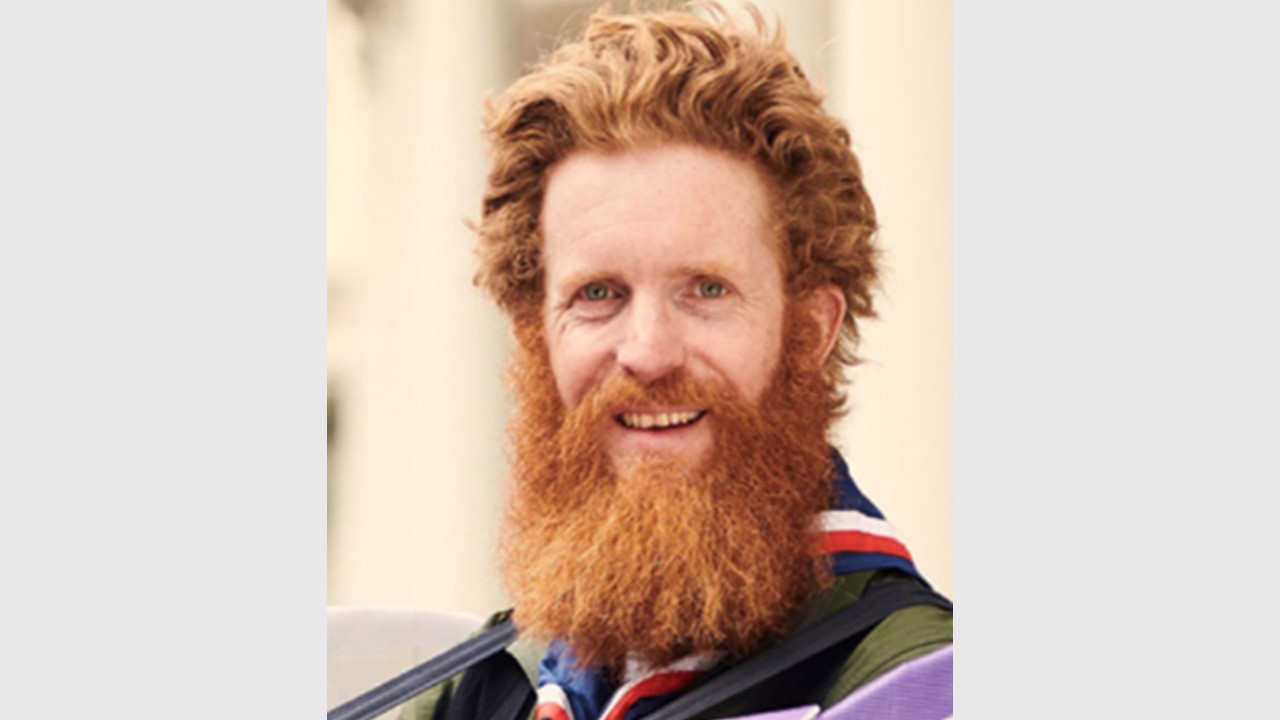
[{"x": 823, "y": 680}]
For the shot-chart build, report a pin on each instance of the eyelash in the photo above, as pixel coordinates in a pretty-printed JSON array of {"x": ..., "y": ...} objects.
[
  {"x": 723, "y": 289},
  {"x": 612, "y": 293},
  {"x": 582, "y": 294}
]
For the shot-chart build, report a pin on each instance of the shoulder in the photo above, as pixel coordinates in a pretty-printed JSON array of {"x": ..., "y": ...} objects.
[
  {"x": 515, "y": 666},
  {"x": 903, "y": 636},
  {"x": 829, "y": 675}
]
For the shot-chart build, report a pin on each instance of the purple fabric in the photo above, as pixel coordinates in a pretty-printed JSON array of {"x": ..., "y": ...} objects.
[
  {"x": 917, "y": 690},
  {"x": 806, "y": 712}
]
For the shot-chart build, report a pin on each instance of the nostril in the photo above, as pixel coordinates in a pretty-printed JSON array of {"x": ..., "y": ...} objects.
[{"x": 650, "y": 361}]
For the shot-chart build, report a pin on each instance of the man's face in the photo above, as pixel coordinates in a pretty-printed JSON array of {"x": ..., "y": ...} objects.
[
  {"x": 660, "y": 262},
  {"x": 669, "y": 456}
]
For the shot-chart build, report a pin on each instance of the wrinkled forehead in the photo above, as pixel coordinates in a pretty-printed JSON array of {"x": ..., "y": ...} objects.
[{"x": 706, "y": 205}]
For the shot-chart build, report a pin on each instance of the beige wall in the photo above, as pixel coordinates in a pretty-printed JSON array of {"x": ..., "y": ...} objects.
[
  {"x": 892, "y": 83},
  {"x": 415, "y": 482},
  {"x": 416, "y": 353}
]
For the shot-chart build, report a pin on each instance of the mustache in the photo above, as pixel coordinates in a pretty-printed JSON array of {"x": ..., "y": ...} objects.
[
  {"x": 679, "y": 390},
  {"x": 675, "y": 390}
]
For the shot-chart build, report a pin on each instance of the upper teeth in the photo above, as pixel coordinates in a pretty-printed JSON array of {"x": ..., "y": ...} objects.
[{"x": 661, "y": 420}]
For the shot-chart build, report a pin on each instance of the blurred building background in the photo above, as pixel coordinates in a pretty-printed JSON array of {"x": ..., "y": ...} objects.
[{"x": 417, "y": 406}]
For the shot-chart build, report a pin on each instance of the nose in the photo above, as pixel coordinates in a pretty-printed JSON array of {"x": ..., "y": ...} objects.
[{"x": 653, "y": 344}]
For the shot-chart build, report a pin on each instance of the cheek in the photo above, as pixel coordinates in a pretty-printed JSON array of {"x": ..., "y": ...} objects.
[
  {"x": 761, "y": 357},
  {"x": 763, "y": 360},
  {"x": 745, "y": 359},
  {"x": 575, "y": 364}
]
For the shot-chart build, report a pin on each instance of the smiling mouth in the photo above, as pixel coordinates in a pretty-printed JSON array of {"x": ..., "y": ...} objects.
[{"x": 659, "y": 421}]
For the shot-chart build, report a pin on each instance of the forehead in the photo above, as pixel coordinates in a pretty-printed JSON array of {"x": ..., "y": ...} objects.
[{"x": 671, "y": 203}]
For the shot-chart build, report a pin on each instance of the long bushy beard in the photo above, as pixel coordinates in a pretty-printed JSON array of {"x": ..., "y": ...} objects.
[{"x": 664, "y": 556}]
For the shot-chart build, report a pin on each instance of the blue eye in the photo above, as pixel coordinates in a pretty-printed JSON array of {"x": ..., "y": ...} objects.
[
  {"x": 710, "y": 289},
  {"x": 596, "y": 292}
]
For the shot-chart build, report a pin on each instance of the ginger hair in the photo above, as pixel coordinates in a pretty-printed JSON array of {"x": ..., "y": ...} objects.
[{"x": 670, "y": 76}]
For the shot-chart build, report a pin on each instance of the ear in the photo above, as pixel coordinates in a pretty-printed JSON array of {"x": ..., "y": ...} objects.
[{"x": 826, "y": 305}]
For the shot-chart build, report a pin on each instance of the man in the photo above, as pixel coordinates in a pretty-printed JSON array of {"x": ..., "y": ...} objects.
[{"x": 681, "y": 238}]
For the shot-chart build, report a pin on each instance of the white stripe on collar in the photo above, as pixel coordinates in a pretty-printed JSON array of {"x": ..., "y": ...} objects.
[{"x": 845, "y": 520}]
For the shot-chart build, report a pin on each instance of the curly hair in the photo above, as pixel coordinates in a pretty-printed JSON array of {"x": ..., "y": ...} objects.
[{"x": 674, "y": 77}]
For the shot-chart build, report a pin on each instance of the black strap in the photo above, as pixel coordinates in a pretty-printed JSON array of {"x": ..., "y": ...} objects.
[
  {"x": 495, "y": 689},
  {"x": 422, "y": 677},
  {"x": 877, "y": 603}
]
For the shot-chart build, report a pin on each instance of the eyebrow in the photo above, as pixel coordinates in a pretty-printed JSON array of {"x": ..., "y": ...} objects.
[
  {"x": 713, "y": 269},
  {"x": 580, "y": 278}
]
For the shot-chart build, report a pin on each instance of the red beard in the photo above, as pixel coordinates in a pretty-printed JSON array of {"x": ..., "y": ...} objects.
[{"x": 663, "y": 557}]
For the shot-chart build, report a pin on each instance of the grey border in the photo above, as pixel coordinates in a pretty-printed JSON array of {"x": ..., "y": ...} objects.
[
  {"x": 1116, "y": 373},
  {"x": 162, "y": 288}
]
